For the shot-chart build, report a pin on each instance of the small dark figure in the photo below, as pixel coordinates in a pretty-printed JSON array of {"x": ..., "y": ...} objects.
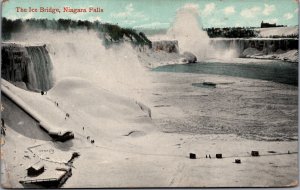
[
  {"x": 57, "y": 104},
  {"x": 3, "y": 127},
  {"x": 237, "y": 161},
  {"x": 67, "y": 115},
  {"x": 42, "y": 92},
  {"x": 2, "y": 131},
  {"x": 206, "y": 156},
  {"x": 83, "y": 128},
  {"x": 92, "y": 141},
  {"x": 88, "y": 137},
  {"x": 209, "y": 156}
]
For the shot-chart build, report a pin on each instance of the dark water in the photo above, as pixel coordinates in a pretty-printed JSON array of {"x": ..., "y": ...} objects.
[
  {"x": 201, "y": 85},
  {"x": 277, "y": 71}
]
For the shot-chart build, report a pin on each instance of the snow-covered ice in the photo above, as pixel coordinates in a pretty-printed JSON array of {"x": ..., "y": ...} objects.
[{"x": 158, "y": 156}]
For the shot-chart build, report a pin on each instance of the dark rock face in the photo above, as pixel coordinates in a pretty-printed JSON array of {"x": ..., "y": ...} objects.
[
  {"x": 189, "y": 57},
  {"x": 29, "y": 64},
  {"x": 167, "y": 46},
  {"x": 14, "y": 64}
]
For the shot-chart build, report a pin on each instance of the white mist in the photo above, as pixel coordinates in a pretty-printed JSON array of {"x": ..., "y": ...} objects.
[{"x": 82, "y": 54}]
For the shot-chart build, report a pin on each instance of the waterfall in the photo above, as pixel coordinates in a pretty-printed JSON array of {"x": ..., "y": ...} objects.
[
  {"x": 265, "y": 45},
  {"x": 28, "y": 64},
  {"x": 40, "y": 67}
]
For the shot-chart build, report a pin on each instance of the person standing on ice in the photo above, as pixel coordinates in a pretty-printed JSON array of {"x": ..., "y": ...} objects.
[{"x": 2, "y": 127}]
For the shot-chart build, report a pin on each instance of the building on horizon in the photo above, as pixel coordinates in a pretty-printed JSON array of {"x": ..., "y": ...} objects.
[{"x": 269, "y": 25}]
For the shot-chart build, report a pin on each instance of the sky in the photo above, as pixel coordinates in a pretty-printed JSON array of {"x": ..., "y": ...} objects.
[{"x": 160, "y": 14}]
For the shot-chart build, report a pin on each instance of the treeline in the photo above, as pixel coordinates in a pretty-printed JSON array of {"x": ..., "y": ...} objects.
[
  {"x": 235, "y": 32},
  {"x": 110, "y": 33}
]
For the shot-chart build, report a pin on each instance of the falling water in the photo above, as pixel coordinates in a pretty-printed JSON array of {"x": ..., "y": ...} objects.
[{"x": 40, "y": 68}]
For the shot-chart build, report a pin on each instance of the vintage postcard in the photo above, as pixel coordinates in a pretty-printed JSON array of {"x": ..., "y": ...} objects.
[{"x": 149, "y": 93}]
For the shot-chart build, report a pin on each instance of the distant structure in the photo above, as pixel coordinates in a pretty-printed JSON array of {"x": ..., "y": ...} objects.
[
  {"x": 35, "y": 169},
  {"x": 268, "y": 25}
]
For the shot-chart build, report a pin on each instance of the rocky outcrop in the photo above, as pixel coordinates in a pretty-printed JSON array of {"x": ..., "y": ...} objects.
[
  {"x": 168, "y": 46},
  {"x": 165, "y": 52},
  {"x": 188, "y": 57}
]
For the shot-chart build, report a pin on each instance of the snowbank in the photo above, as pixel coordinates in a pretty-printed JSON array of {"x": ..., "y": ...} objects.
[{"x": 6, "y": 88}]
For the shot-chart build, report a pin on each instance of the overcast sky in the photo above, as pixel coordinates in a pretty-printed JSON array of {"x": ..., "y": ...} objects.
[{"x": 161, "y": 13}]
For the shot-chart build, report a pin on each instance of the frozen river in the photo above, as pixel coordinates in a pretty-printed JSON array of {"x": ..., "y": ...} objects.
[{"x": 254, "y": 100}]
